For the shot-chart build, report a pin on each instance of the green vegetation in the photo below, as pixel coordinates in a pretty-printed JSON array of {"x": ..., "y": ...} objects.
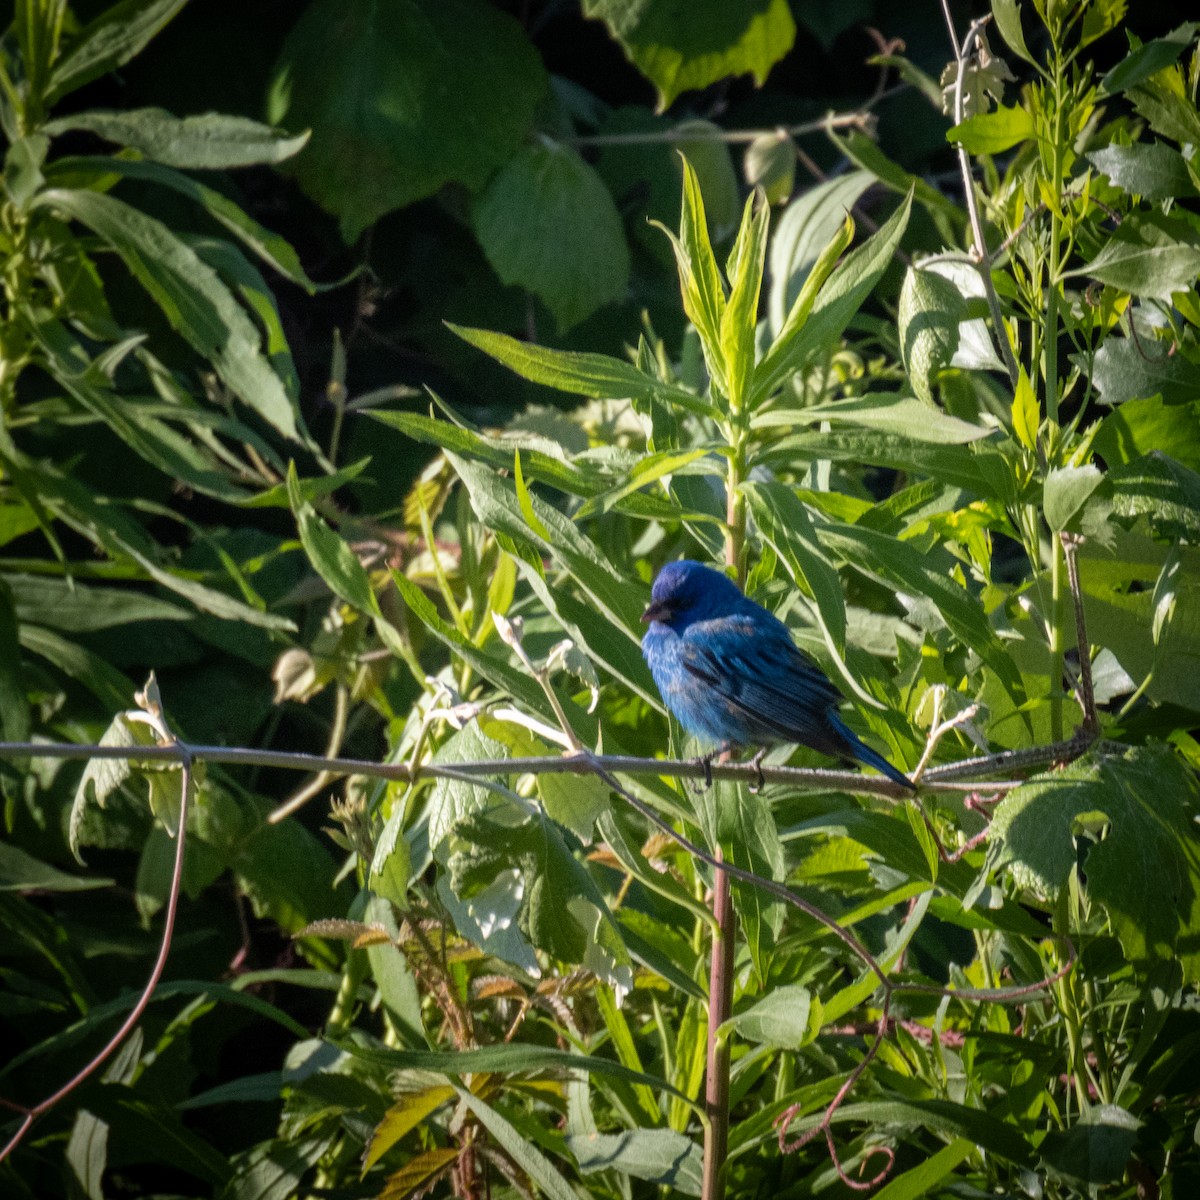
[{"x": 953, "y": 440}]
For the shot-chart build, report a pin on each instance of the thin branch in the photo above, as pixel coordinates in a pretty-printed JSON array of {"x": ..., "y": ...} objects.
[
  {"x": 950, "y": 777},
  {"x": 853, "y": 120},
  {"x": 337, "y": 731},
  {"x": 1091, "y": 723},
  {"x": 982, "y": 257}
]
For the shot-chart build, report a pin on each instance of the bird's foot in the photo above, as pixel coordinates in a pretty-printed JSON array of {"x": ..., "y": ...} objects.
[
  {"x": 761, "y": 782},
  {"x": 705, "y": 761}
]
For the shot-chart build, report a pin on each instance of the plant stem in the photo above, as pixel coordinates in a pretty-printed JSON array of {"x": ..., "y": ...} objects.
[
  {"x": 720, "y": 977},
  {"x": 1055, "y": 640}
]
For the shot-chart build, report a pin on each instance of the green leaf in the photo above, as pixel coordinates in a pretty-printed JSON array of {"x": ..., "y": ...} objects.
[
  {"x": 594, "y": 375},
  {"x": 770, "y": 164},
  {"x": 1164, "y": 489},
  {"x": 955, "y": 465},
  {"x": 931, "y": 311},
  {"x": 1100, "y": 18},
  {"x": 839, "y": 298},
  {"x": 784, "y": 522},
  {"x": 700, "y": 284},
  {"x": 902, "y": 564},
  {"x": 901, "y": 415},
  {"x": 715, "y": 41},
  {"x": 496, "y": 505},
  {"x": 268, "y": 246},
  {"x": 409, "y": 1111},
  {"x": 1145, "y": 870},
  {"x": 561, "y": 910},
  {"x": 21, "y": 872},
  {"x": 1118, "y": 584},
  {"x": 454, "y": 801},
  {"x": 211, "y": 141},
  {"x": 333, "y": 559},
  {"x": 14, "y": 706},
  {"x": 1026, "y": 414},
  {"x": 547, "y": 224},
  {"x": 1141, "y": 426},
  {"x": 193, "y": 298},
  {"x": 1066, "y": 491},
  {"x": 23, "y": 164},
  {"x": 993, "y": 132},
  {"x": 1007, "y": 14},
  {"x": 660, "y": 1156},
  {"x": 1096, "y": 1148},
  {"x": 739, "y": 322},
  {"x": 107, "y": 42},
  {"x": 740, "y": 822},
  {"x": 1149, "y": 59},
  {"x": 1125, "y": 370},
  {"x": 922, "y": 1180},
  {"x": 156, "y": 441},
  {"x": 807, "y": 226},
  {"x": 522, "y": 1151},
  {"x": 156, "y": 1131},
  {"x": 1153, "y": 171},
  {"x": 372, "y": 82},
  {"x": 781, "y": 1018},
  {"x": 1147, "y": 255}
]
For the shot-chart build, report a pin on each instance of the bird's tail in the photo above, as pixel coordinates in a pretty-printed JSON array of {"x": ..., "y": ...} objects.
[{"x": 860, "y": 750}]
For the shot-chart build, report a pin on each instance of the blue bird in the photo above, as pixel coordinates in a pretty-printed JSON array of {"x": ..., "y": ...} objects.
[{"x": 731, "y": 674}]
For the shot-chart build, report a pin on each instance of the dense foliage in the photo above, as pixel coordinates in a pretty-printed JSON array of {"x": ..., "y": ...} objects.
[{"x": 952, "y": 439}]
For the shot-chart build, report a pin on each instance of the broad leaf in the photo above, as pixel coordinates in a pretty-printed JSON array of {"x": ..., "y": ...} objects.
[
  {"x": 1145, "y": 870},
  {"x": 548, "y": 224},
  {"x": 716, "y": 40},
  {"x": 371, "y": 81},
  {"x": 660, "y": 1156}
]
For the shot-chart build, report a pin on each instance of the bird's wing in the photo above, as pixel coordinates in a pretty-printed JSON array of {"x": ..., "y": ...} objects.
[{"x": 754, "y": 665}]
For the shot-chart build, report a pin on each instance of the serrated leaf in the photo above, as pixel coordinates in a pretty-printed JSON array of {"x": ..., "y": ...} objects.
[
  {"x": 1145, "y": 872},
  {"x": 1150, "y": 170},
  {"x": 1125, "y": 370},
  {"x": 562, "y": 911},
  {"x": 418, "y": 1173},
  {"x": 372, "y": 80},
  {"x": 1147, "y": 255},
  {"x": 548, "y": 224},
  {"x": 455, "y": 800}
]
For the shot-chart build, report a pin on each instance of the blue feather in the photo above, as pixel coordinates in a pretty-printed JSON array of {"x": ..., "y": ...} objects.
[{"x": 730, "y": 672}]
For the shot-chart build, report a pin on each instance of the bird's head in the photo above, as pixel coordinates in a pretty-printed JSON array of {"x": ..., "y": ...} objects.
[{"x": 686, "y": 591}]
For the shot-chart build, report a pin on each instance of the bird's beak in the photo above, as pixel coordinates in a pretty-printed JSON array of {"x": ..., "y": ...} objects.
[{"x": 654, "y": 612}]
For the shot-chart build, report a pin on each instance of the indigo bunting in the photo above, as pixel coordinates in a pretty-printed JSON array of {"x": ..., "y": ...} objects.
[{"x": 731, "y": 674}]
